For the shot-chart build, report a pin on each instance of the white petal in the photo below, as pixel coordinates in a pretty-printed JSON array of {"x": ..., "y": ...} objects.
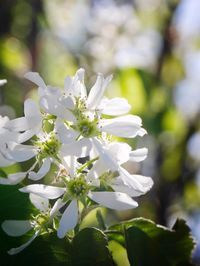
[
  {"x": 7, "y": 135},
  {"x": 75, "y": 86},
  {"x": 71, "y": 164},
  {"x": 31, "y": 109},
  {"x": 28, "y": 134},
  {"x": 133, "y": 119},
  {"x": 97, "y": 91},
  {"x": 13, "y": 179},
  {"x": 56, "y": 207},
  {"x": 5, "y": 161},
  {"x": 35, "y": 78},
  {"x": 15, "y": 227},
  {"x": 48, "y": 192},
  {"x": 125, "y": 126},
  {"x": 125, "y": 189},
  {"x": 142, "y": 132},
  {"x": 20, "y": 153},
  {"x": 3, "y": 121},
  {"x": 119, "y": 185},
  {"x": 138, "y": 183},
  {"x": 67, "y": 102},
  {"x": 69, "y": 88},
  {"x": 14, "y": 251},
  {"x": 120, "y": 151},
  {"x": 113, "y": 200},
  {"x": 66, "y": 135},
  {"x": 42, "y": 171},
  {"x": 115, "y": 106},
  {"x": 51, "y": 105},
  {"x": 69, "y": 219},
  {"x": 78, "y": 84},
  {"x": 4, "y": 181},
  {"x": 19, "y": 124},
  {"x": 40, "y": 203},
  {"x": 67, "y": 84},
  {"x": 106, "y": 157},
  {"x": 138, "y": 155},
  {"x": 79, "y": 148},
  {"x": 49, "y": 91},
  {"x": 32, "y": 122},
  {"x": 97, "y": 169},
  {"x": 146, "y": 182}
]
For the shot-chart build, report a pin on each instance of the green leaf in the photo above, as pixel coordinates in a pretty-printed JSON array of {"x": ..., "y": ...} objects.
[
  {"x": 90, "y": 247},
  {"x": 47, "y": 250},
  {"x": 146, "y": 243},
  {"x": 141, "y": 249},
  {"x": 44, "y": 250},
  {"x": 119, "y": 253},
  {"x": 13, "y": 206},
  {"x": 150, "y": 244}
]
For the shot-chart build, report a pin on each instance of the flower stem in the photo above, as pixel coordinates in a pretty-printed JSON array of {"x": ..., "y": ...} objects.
[{"x": 100, "y": 220}]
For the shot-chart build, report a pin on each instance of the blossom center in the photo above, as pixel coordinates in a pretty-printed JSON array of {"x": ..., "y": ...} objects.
[
  {"x": 78, "y": 187},
  {"x": 87, "y": 128},
  {"x": 87, "y": 123},
  {"x": 40, "y": 222},
  {"x": 49, "y": 147}
]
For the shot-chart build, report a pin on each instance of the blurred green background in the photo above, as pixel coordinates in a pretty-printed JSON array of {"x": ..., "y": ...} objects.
[{"x": 153, "y": 50}]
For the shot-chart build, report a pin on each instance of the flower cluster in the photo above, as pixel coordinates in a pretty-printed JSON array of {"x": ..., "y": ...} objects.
[
  {"x": 105, "y": 42},
  {"x": 70, "y": 136}
]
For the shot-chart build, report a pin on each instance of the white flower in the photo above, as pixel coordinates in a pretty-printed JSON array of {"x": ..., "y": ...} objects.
[
  {"x": 89, "y": 123},
  {"x": 79, "y": 117},
  {"x": 16, "y": 178},
  {"x": 16, "y": 131},
  {"x": 40, "y": 223},
  {"x": 112, "y": 157},
  {"x": 78, "y": 186},
  {"x": 124, "y": 185},
  {"x": 30, "y": 124},
  {"x": 20, "y": 227},
  {"x": 45, "y": 149},
  {"x": 13, "y": 179},
  {"x": 91, "y": 107},
  {"x": 13, "y": 132},
  {"x": 69, "y": 219},
  {"x": 94, "y": 102},
  {"x": 72, "y": 131},
  {"x": 75, "y": 98},
  {"x": 50, "y": 98}
]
